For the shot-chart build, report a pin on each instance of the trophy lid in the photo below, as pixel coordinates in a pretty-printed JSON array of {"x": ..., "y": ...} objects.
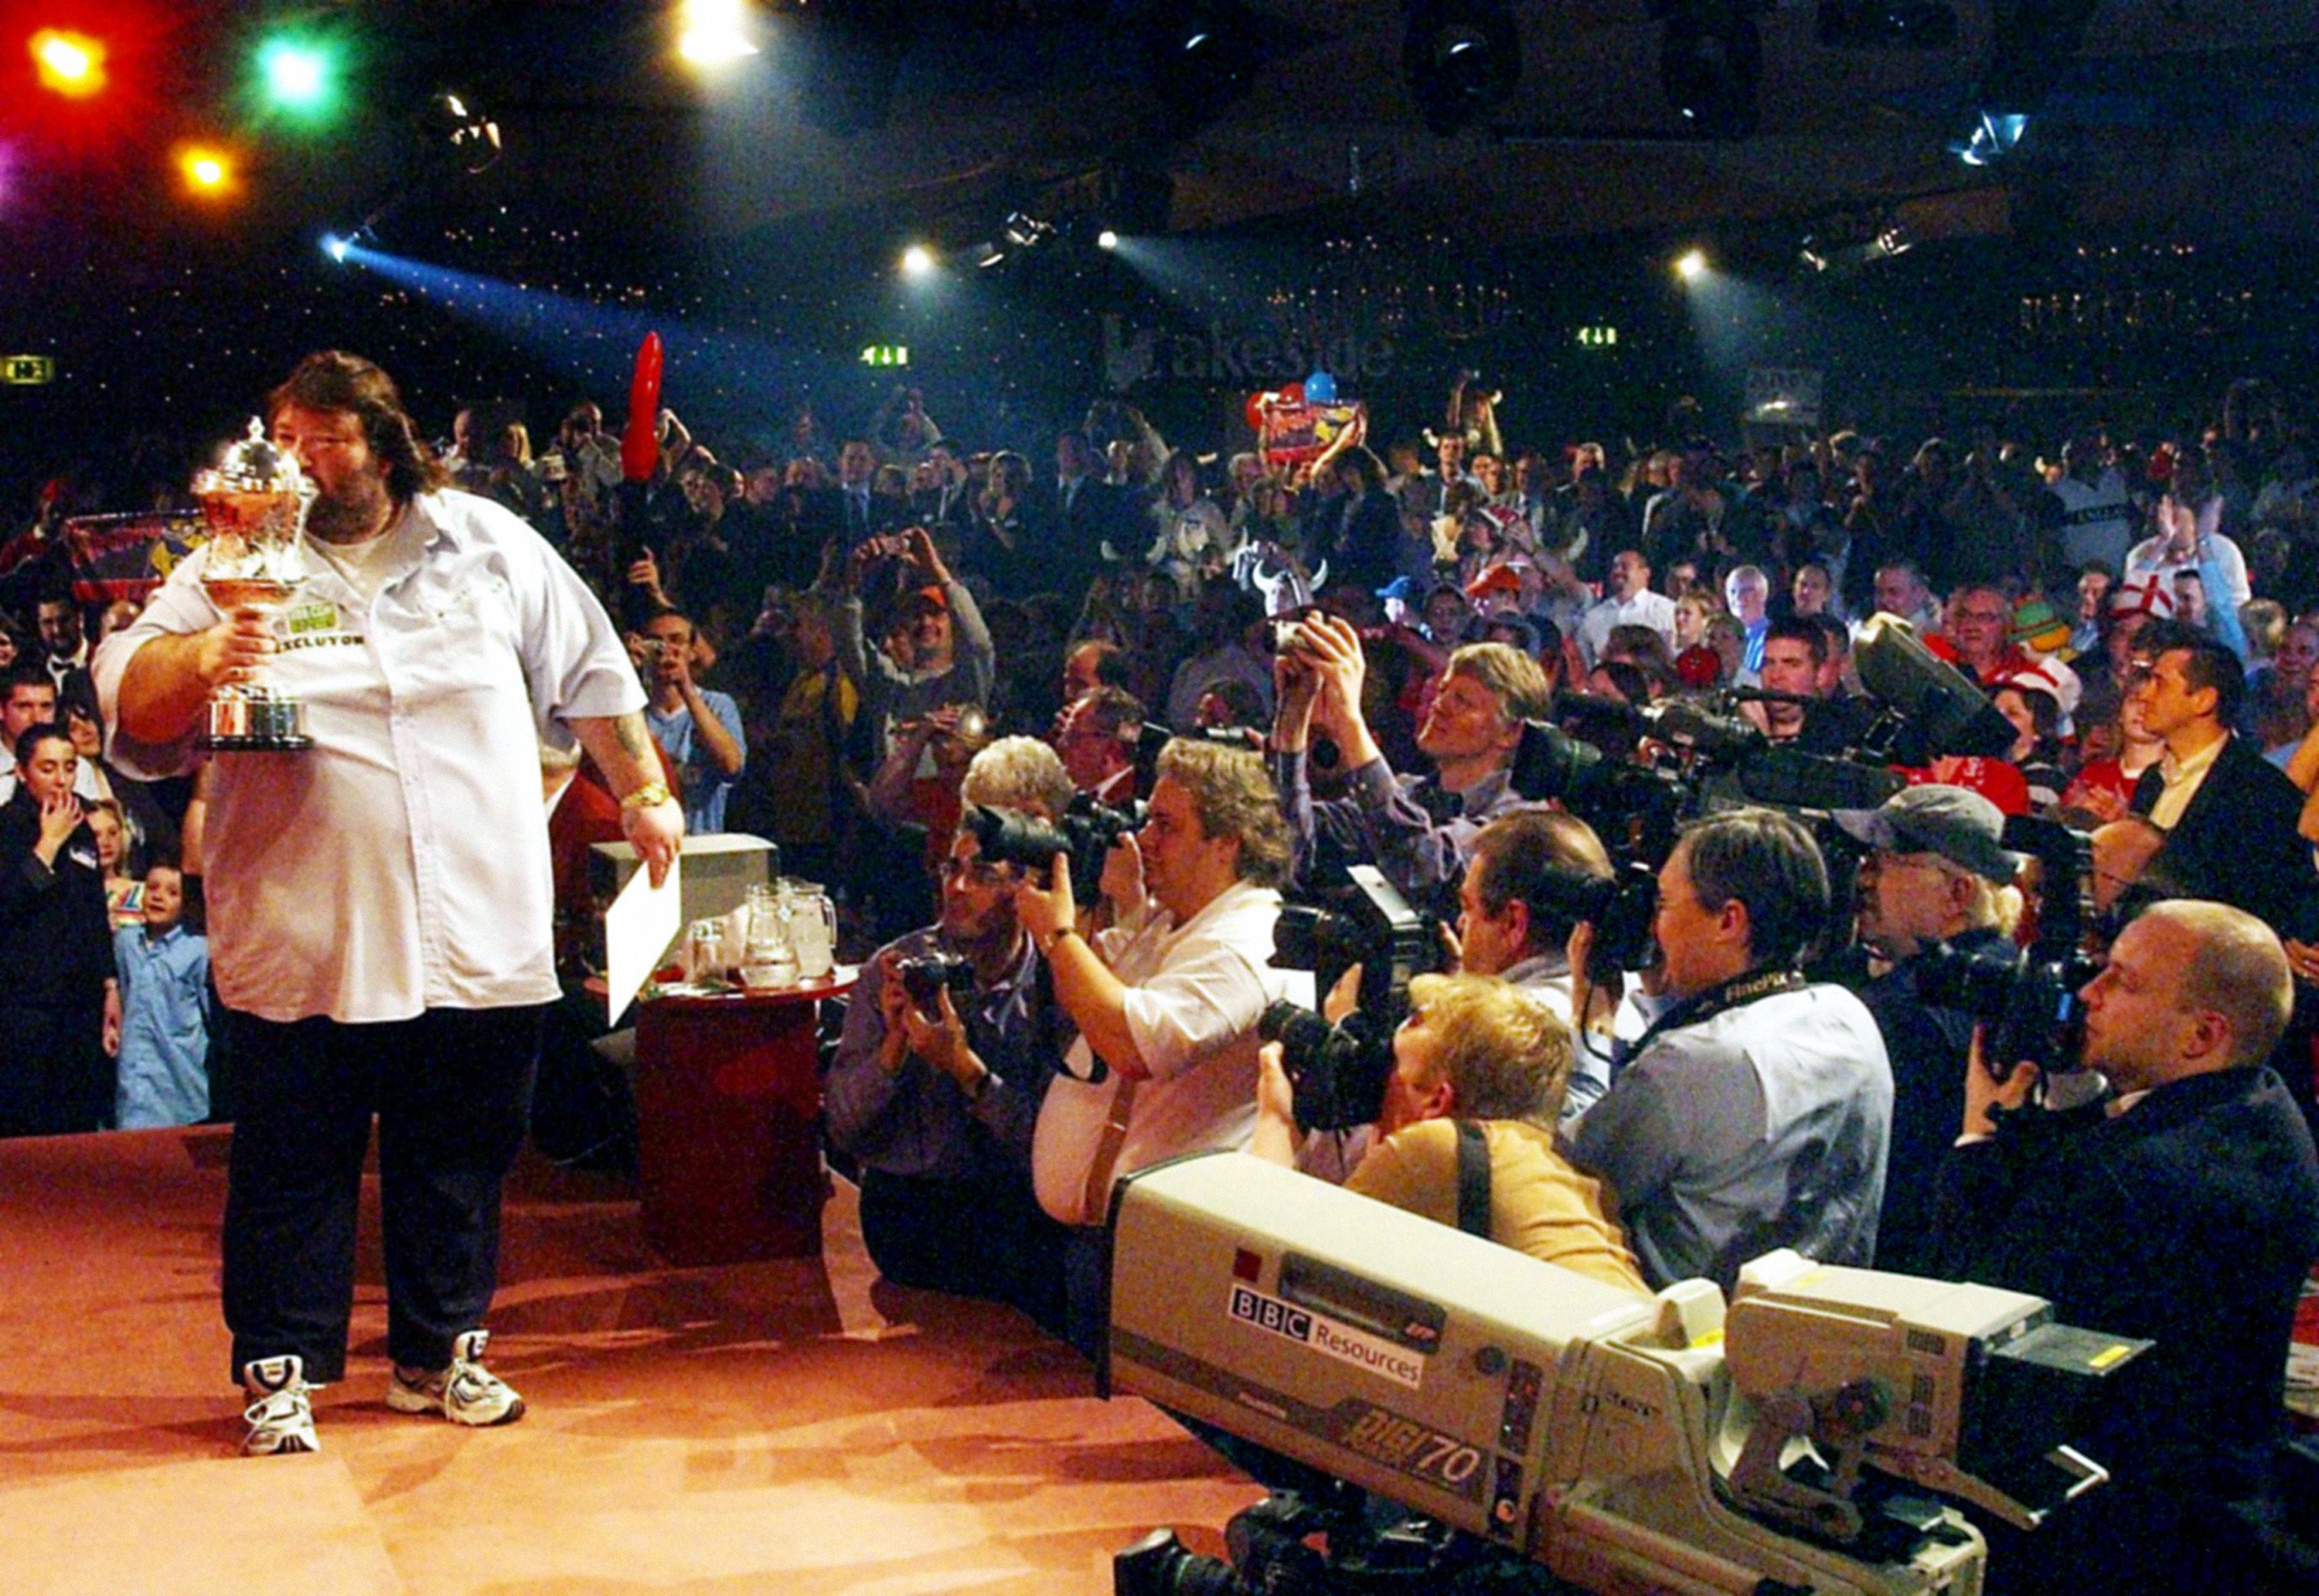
[{"x": 253, "y": 464}]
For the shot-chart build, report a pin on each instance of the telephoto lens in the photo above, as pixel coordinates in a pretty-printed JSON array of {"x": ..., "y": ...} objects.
[{"x": 1161, "y": 1565}]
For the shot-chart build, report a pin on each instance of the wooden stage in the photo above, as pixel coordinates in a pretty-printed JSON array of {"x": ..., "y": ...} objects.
[{"x": 796, "y": 1427}]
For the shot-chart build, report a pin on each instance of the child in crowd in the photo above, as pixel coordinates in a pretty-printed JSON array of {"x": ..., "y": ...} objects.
[{"x": 164, "y": 1030}]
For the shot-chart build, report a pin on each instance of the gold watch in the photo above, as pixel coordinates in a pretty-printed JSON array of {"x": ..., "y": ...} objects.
[{"x": 650, "y": 796}]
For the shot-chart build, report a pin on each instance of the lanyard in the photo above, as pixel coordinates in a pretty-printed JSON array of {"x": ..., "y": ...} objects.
[{"x": 1737, "y": 992}]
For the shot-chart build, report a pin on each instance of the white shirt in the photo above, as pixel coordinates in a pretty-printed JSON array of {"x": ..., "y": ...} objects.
[
  {"x": 1646, "y": 608},
  {"x": 401, "y": 862},
  {"x": 1194, "y": 997},
  {"x": 2096, "y": 519},
  {"x": 2183, "y": 779}
]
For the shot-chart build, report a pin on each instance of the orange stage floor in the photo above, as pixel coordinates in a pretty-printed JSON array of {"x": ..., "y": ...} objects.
[{"x": 798, "y": 1427}]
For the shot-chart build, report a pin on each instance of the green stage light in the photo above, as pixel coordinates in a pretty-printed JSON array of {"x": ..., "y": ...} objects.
[{"x": 299, "y": 75}]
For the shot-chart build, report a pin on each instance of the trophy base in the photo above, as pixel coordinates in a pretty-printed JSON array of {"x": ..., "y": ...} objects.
[
  {"x": 283, "y": 743},
  {"x": 254, "y": 720}
]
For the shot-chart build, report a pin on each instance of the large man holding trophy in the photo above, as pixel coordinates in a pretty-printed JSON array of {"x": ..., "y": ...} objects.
[{"x": 373, "y": 692}]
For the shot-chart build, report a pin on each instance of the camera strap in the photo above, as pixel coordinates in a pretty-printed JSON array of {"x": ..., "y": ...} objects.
[
  {"x": 1473, "y": 1179},
  {"x": 1737, "y": 992}
]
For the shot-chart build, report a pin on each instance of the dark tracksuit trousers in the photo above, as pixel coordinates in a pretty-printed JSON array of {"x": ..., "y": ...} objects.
[{"x": 451, "y": 1091}]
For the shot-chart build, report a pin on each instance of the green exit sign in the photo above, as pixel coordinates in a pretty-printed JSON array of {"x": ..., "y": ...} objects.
[
  {"x": 886, "y": 355},
  {"x": 1598, "y": 337},
  {"x": 26, "y": 371}
]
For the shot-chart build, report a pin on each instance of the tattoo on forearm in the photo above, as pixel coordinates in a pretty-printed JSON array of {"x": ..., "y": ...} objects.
[{"x": 635, "y": 740}]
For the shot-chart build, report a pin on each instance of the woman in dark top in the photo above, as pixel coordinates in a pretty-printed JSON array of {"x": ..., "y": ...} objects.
[{"x": 61, "y": 1009}]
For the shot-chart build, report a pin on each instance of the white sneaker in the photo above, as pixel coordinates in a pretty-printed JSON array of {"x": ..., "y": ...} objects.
[
  {"x": 467, "y": 1393},
  {"x": 281, "y": 1411}
]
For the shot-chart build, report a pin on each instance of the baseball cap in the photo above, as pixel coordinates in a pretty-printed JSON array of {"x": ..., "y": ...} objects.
[
  {"x": 1407, "y": 588},
  {"x": 1497, "y": 579},
  {"x": 1962, "y": 827},
  {"x": 929, "y": 597}
]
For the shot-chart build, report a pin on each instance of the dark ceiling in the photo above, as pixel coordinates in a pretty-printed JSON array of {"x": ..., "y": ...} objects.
[{"x": 2176, "y": 117}]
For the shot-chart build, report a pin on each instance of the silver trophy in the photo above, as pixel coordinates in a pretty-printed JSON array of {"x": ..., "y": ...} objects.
[{"x": 255, "y": 500}]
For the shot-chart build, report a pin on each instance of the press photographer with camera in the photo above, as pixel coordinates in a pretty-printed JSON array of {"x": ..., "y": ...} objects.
[
  {"x": 1931, "y": 880},
  {"x": 2184, "y": 1209},
  {"x": 938, "y": 653},
  {"x": 1534, "y": 876},
  {"x": 1477, "y": 1058},
  {"x": 935, "y": 1086},
  {"x": 1166, "y": 998},
  {"x": 1754, "y": 1113},
  {"x": 1418, "y": 830}
]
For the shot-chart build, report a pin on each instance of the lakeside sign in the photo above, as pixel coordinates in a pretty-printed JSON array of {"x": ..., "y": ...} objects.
[{"x": 1230, "y": 358}]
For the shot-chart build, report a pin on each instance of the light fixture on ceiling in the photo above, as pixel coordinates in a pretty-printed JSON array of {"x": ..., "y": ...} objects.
[{"x": 1461, "y": 60}]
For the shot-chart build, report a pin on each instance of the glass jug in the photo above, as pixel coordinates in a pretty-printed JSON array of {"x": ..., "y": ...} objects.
[
  {"x": 769, "y": 961},
  {"x": 813, "y": 928}
]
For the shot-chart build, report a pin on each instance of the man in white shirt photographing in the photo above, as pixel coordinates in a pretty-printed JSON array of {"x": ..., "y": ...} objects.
[{"x": 1166, "y": 1000}]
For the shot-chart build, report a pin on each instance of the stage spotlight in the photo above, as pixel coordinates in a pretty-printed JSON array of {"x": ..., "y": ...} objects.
[
  {"x": 70, "y": 64},
  {"x": 1461, "y": 59},
  {"x": 987, "y": 256},
  {"x": 1993, "y": 136},
  {"x": 918, "y": 260},
  {"x": 1203, "y": 55},
  {"x": 336, "y": 248},
  {"x": 1710, "y": 62},
  {"x": 714, "y": 32},
  {"x": 298, "y": 74},
  {"x": 1026, "y": 231},
  {"x": 1106, "y": 240},
  {"x": 206, "y": 172},
  {"x": 1691, "y": 265},
  {"x": 474, "y": 137}
]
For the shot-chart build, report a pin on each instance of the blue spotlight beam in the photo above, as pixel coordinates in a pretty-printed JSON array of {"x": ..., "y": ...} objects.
[{"x": 596, "y": 344}]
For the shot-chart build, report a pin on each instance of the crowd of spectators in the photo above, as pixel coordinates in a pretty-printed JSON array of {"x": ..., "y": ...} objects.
[
  {"x": 832, "y": 625},
  {"x": 851, "y": 644}
]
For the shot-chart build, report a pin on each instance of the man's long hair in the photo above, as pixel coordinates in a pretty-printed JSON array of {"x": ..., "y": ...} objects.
[{"x": 333, "y": 380}]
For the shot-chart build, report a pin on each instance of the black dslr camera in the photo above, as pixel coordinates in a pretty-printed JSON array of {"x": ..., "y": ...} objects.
[
  {"x": 1086, "y": 832},
  {"x": 2029, "y": 1000},
  {"x": 924, "y": 978},
  {"x": 1339, "y": 1072}
]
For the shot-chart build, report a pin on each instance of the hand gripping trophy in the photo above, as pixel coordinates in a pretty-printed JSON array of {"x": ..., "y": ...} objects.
[{"x": 254, "y": 501}]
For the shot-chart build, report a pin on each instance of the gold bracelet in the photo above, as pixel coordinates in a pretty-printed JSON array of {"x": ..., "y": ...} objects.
[{"x": 650, "y": 796}]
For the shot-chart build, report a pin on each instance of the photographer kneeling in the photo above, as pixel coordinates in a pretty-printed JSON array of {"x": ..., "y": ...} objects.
[
  {"x": 1417, "y": 830},
  {"x": 1754, "y": 1113},
  {"x": 1166, "y": 1000},
  {"x": 948, "y": 1050},
  {"x": 1474, "y": 1052},
  {"x": 2185, "y": 1209}
]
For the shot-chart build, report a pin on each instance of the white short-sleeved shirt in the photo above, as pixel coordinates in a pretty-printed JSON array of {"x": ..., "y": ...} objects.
[
  {"x": 401, "y": 864},
  {"x": 1194, "y": 993}
]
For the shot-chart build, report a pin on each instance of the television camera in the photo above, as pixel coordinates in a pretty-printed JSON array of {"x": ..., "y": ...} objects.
[
  {"x": 1549, "y": 1427},
  {"x": 1702, "y": 757}
]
